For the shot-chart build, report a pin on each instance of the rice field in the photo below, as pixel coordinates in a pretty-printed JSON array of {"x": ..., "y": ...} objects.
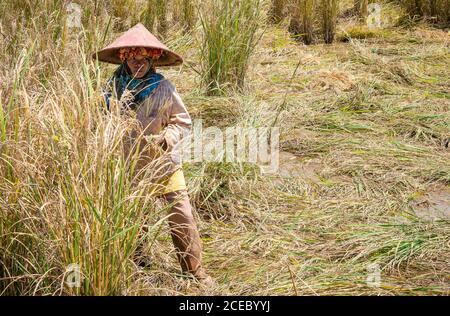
[{"x": 361, "y": 202}]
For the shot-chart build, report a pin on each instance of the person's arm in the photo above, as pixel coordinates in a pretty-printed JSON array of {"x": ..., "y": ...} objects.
[{"x": 179, "y": 122}]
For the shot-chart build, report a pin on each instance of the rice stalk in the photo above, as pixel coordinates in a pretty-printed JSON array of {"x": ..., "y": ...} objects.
[
  {"x": 276, "y": 11},
  {"x": 69, "y": 195},
  {"x": 302, "y": 20},
  {"x": 360, "y": 7},
  {"x": 230, "y": 33},
  {"x": 435, "y": 11},
  {"x": 330, "y": 10},
  {"x": 156, "y": 16}
]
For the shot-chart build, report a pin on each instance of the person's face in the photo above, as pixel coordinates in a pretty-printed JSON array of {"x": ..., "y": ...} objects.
[{"x": 138, "y": 65}]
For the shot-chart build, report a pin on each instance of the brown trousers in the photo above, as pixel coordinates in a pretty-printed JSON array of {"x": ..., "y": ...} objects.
[{"x": 185, "y": 235}]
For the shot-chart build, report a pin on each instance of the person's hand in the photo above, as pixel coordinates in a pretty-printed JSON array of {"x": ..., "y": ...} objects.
[
  {"x": 161, "y": 141},
  {"x": 158, "y": 140}
]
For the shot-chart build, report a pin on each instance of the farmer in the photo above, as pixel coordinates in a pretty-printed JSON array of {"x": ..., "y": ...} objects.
[{"x": 163, "y": 116}]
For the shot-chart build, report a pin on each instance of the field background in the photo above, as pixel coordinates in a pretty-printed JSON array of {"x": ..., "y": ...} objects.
[{"x": 364, "y": 181}]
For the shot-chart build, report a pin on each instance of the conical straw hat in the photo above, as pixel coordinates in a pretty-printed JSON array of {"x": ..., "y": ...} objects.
[{"x": 137, "y": 36}]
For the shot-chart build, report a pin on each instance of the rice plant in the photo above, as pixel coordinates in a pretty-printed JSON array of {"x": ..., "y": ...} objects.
[
  {"x": 189, "y": 16},
  {"x": 360, "y": 7},
  {"x": 276, "y": 11},
  {"x": 230, "y": 33},
  {"x": 156, "y": 16},
  {"x": 370, "y": 124},
  {"x": 436, "y": 11},
  {"x": 69, "y": 197},
  {"x": 123, "y": 10},
  {"x": 184, "y": 13},
  {"x": 416, "y": 7},
  {"x": 444, "y": 11},
  {"x": 161, "y": 11},
  {"x": 95, "y": 224},
  {"x": 329, "y": 18},
  {"x": 302, "y": 20}
]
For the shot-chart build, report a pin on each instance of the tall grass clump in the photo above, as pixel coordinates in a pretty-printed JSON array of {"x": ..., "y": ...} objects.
[
  {"x": 441, "y": 10},
  {"x": 329, "y": 19},
  {"x": 69, "y": 195},
  {"x": 417, "y": 7},
  {"x": 122, "y": 10},
  {"x": 230, "y": 34},
  {"x": 156, "y": 16},
  {"x": 361, "y": 8},
  {"x": 276, "y": 11},
  {"x": 435, "y": 11},
  {"x": 184, "y": 11},
  {"x": 302, "y": 21}
]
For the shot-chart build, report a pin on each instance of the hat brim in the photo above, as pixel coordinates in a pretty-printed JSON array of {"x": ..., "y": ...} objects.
[
  {"x": 111, "y": 55},
  {"x": 138, "y": 36}
]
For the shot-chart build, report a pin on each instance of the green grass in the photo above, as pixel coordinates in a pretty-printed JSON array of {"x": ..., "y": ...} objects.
[
  {"x": 367, "y": 121},
  {"x": 225, "y": 55}
]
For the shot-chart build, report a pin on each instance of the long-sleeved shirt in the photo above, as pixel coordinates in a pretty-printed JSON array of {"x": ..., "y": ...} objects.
[{"x": 164, "y": 114}]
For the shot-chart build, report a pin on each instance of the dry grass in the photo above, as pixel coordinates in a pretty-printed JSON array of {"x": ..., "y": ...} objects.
[
  {"x": 436, "y": 11},
  {"x": 225, "y": 55},
  {"x": 360, "y": 7},
  {"x": 330, "y": 12},
  {"x": 302, "y": 20},
  {"x": 368, "y": 123},
  {"x": 277, "y": 11},
  {"x": 185, "y": 13}
]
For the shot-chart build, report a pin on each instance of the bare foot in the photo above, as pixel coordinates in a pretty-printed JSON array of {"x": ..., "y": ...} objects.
[{"x": 204, "y": 279}]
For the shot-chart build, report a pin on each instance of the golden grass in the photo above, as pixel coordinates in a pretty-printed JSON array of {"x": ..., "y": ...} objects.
[
  {"x": 330, "y": 11},
  {"x": 370, "y": 115},
  {"x": 277, "y": 10},
  {"x": 302, "y": 20}
]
